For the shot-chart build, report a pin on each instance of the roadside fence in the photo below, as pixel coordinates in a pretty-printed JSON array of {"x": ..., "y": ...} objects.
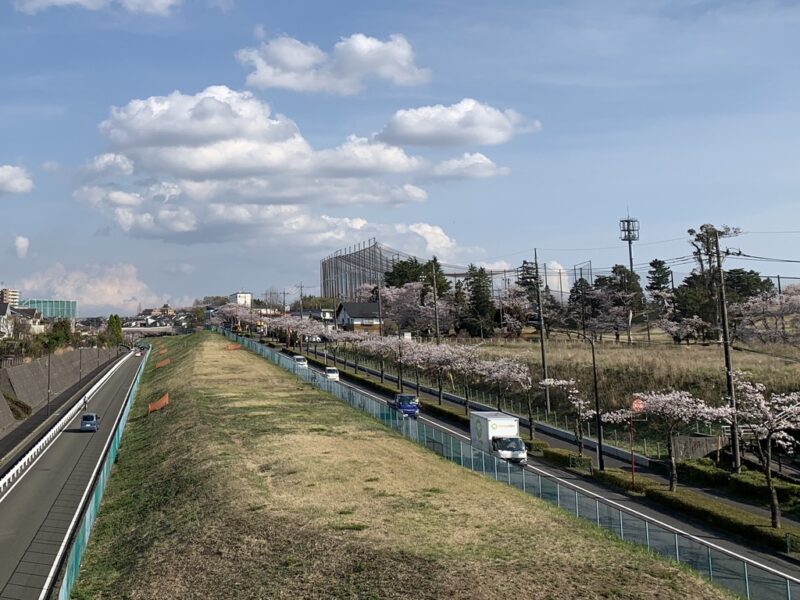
[{"x": 736, "y": 573}]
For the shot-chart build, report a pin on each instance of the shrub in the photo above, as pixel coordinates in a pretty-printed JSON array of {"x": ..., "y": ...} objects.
[
  {"x": 536, "y": 445},
  {"x": 748, "y": 484},
  {"x": 444, "y": 414},
  {"x": 565, "y": 458},
  {"x": 723, "y": 516},
  {"x": 622, "y": 479}
]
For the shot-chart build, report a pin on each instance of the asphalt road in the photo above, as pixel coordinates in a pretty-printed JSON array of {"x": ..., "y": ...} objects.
[{"x": 35, "y": 514}]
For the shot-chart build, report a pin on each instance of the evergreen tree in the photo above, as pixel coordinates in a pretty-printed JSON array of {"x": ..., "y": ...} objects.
[
  {"x": 114, "y": 329},
  {"x": 413, "y": 271},
  {"x": 659, "y": 277},
  {"x": 479, "y": 319}
]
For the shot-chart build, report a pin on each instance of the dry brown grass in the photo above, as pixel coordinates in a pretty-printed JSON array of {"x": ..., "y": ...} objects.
[
  {"x": 624, "y": 370},
  {"x": 253, "y": 485}
]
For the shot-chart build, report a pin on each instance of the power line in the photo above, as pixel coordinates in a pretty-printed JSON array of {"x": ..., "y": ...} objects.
[{"x": 743, "y": 256}]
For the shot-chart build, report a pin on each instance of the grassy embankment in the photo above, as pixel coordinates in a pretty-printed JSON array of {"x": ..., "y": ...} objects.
[{"x": 251, "y": 484}]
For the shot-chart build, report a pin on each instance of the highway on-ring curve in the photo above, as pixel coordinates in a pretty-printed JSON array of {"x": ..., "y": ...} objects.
[{"x": 36, "y": 513}]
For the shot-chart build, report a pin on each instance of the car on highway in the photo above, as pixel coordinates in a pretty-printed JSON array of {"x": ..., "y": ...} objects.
[
  {"x": 332, "y": 373},
  {"x": 89, "y": 422},
  {"x": 137, "y": 352},
  {"x": 407, "y": 404},
  {"x": 300, "y": 362}
]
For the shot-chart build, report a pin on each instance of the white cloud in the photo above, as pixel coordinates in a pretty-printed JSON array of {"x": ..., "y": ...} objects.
[
  {"x": 97, "y": 288},
  {"x": 557, "y": 279},
  {"x": 100, "y": 197},
  {"x": 51, "y": 166},
  {"x": 288, "y": 63},
  {"x": 33, "y": 6},
  {"x": 258, "y": 32},
  {"x": 111, "y": 164},
  {"x": 468, "y": 122},
  {"x": 21, "y": 245},
  {"x": 14, "y": 180},
  {"x": 437, "y": 242},
  {"x": 469, "y": 166},
  {"x": 153, "y": 7}
]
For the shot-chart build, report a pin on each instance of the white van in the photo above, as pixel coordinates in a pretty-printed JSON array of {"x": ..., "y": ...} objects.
[
  {"x": 300, "y": 362},
  {"x": 332, "y": 373}
]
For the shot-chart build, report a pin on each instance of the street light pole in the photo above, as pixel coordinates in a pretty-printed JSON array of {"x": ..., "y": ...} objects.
[
  {"x": 541, "y": 329},
  {"x": 598, "y": 420},
  {"x": 49, "y": 354}
]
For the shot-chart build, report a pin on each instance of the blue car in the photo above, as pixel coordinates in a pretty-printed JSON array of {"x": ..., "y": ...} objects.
[{"x": 407, "y": 404}]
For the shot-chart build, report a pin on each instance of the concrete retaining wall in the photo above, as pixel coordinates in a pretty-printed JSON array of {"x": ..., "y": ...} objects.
[{"x": 27, "y": 383}]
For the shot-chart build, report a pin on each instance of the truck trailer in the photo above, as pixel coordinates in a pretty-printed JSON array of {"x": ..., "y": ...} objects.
[{"x": 498, "y": 434}]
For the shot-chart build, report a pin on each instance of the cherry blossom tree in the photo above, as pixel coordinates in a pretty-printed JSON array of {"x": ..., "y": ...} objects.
[
  {"x": 670, "y": 411},
  {"x": 579, "y": 409},
  {"x": 769, "y": 419}
]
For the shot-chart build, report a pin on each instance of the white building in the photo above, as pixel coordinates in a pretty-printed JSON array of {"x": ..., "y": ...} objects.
[
  {"x": 9, "y": 296},
  {"x": 241, "y": 298}
]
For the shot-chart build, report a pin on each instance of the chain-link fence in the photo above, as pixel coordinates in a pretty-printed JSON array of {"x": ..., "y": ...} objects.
[{"x": 739, "y": 574}]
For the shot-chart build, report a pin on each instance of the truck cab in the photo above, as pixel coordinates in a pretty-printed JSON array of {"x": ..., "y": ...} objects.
[{"x": 407, "y": 404}]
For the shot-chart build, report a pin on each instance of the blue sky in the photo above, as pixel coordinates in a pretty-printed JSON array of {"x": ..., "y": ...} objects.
[{"x": 251, "y": 139}]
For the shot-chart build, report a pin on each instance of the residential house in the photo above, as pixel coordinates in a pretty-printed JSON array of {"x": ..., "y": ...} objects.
[{"x": 359, "y": 316}]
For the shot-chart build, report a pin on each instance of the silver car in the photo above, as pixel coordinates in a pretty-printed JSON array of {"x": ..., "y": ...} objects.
[{"x": 89, "y": 422}]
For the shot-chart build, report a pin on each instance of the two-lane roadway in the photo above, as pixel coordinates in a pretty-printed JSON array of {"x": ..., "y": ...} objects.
[{"x": 35, "y": 514}]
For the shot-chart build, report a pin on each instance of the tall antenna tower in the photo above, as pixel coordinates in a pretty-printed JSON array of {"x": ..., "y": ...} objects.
[{"x": 629, "y": 232}]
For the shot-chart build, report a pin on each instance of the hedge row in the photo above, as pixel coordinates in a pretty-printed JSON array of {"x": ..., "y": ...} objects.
[
  {"x": 748, "y": 484},
  {"x": 565, "y": 458},
  {"x": 723, "y": 516},
  {"x": 710, "y": 511}
]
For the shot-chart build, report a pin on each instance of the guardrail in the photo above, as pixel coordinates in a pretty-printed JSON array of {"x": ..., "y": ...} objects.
[
  {"x": 732, "y": 571},
  {"x": 12, "y": 477},
  {"x": 78, "y": 533}
]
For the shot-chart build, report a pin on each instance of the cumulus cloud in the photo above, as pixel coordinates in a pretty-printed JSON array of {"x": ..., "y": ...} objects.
[
  {"x": 14, "y": 180},
  {"x": 98, "y": 197},
  {"x": 469, "y": 166},
  {"x": 153, "y": 7},
  {"x": 21, "y": 245},
  {"x": 111, "y": 164},
  {"x": 97, "y": 288},
  {"x": 288, "y": 63},
  {"x": 468, "y": 122}
]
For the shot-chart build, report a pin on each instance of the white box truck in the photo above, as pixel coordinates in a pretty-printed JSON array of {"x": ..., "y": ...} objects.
[{"x": 498, "y": 434}]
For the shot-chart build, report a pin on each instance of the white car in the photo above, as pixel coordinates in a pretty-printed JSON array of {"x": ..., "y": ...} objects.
[
  {"x": 332, "y": 373},
  {"x": 300, "y": 362}
]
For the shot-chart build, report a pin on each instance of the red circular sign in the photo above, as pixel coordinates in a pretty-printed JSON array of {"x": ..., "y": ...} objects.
[{"x": 637, "y": 405}]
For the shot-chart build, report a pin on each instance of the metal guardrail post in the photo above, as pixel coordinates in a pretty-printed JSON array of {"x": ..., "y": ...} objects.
[
  {"x": 647, "y": 534},
  {"x": 577, "y": 505},
  {"x": 746, "y": 581},
  {"x": 677, "y": 550},
  {"x": 597, "y": 511}
]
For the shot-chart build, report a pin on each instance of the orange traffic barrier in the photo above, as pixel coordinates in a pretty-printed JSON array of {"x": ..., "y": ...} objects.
[
  {"x": 158, "y": 404},
  {"x": 163, "y": 363},
  {"x": 233, "y": 346},
  {"x": 162, "y": 351}
]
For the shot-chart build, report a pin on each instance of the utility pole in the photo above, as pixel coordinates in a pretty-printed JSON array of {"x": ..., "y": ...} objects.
[
  {"x": 301, "y": 300},
  {"x": 629, "y": 232},
  {"x": 49, "y": 357},
  {"x": 726, "y": 345},
  {"x": 436, "y": 302},
  {"x": 283, "y": 309},
  {"x": 541, "y": 330}
]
